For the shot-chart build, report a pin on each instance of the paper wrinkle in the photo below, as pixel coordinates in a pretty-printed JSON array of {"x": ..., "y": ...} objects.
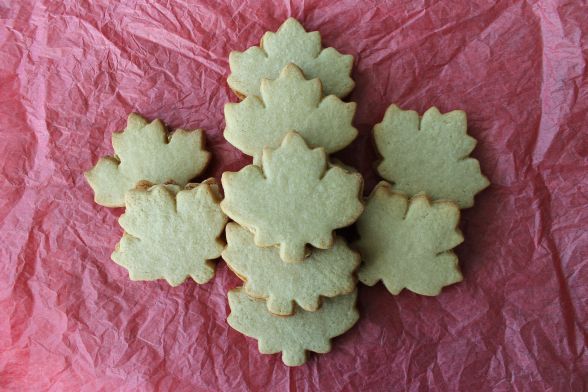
[{"x": 70, "y": 74}]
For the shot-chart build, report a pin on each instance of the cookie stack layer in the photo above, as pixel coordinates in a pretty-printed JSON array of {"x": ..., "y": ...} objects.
[{"x": 299, "y": 288}]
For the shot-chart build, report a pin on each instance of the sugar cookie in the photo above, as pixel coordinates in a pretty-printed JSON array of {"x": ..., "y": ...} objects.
[
  {"x": 290, "y": 44},
  {"x": 407, "y": 244},
  {"x": 144, "y": 151},
  {"x": 289, "y": 103},
  {"x": 293, "y": 335},
  {"x": 325, "y": 273},
  {"x": 292, "y": 199},
  {"x": 171, "y": 233},
  {"x": 429, "y": 155}
]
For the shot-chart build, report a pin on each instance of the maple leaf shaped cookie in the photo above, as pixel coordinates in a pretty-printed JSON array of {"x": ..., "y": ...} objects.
[
  {"x": 326, "y": 273},
  {"x": 429, "y": 155},
  {"x": 290, "y": 44},
  {"x": 289, "y": 103},
  {"x": 292, "y": 335},
  {"x": 171, "y": 233},
  {"x": 144, "y": 151},
  {"x": 407, "y": 244},
  {"x": 292, "y": 199}
]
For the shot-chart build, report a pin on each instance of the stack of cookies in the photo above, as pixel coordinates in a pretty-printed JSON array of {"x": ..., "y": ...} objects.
[
  {"x": 299, "y": 288},
  {"x": 149, "y": 175},
  {"x": 410, "y": 226}
]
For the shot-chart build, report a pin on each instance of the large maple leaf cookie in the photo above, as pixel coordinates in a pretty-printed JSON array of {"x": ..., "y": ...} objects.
[{"x": 293, "y": 199}]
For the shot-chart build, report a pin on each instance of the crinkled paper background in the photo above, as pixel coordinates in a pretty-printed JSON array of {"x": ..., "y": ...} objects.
[{"x": 71, "y": 71}]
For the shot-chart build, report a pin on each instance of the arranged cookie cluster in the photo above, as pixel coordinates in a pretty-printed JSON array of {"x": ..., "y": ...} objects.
[{"x": 299, "y": 276}]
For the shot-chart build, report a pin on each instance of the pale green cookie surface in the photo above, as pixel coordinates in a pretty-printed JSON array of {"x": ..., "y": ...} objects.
[
  {"x": 407, "y": 244},
  {"x": 293, "y": 199},
  {"x": 325, "y": 273},
  {"x": 429, "y": 155},
  {"x": 171, "y": 233},
  {"x": 290, "y": 44},
  {"x": 289, "y": 103},
  {"x": 144, "y": 151},
  {"x": 292, "y": 335}
]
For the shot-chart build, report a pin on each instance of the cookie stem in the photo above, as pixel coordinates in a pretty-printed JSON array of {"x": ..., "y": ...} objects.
[
  {"x": 294, "y": 357},
  {"x": 279, "y": 306},
  {"x": 292, "y": 252}
]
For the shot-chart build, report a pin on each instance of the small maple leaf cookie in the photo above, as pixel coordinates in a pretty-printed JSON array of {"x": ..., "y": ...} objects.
[
  {"x": 293, "y": 335},
  {"x": 289, "y": 103},
  {"x": 144, "y": 151},
  {"x": 407, "y": 244},
  {"x": 326, "y": 273},
  {"x": 290, "y": 44},
  {"x": 429, "y": 155},
  {"x": 171, "y": 233},
  {"x": 293, "y": 199}
]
